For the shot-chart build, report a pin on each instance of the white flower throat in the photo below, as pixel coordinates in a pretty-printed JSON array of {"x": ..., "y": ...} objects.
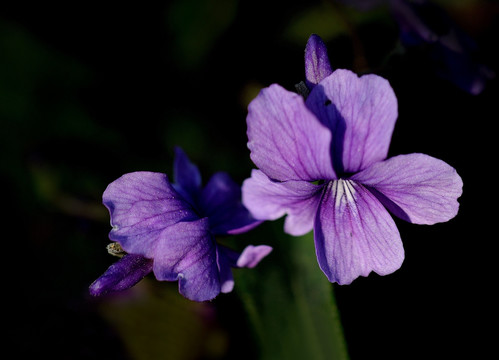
[{"x": 343, "y": 191}]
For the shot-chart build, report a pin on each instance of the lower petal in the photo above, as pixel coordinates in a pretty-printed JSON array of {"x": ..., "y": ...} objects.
[{"x": 354, "y": 234}]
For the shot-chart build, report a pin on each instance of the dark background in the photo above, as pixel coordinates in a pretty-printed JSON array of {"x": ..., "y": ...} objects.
[{"x": 90, "y": 91}]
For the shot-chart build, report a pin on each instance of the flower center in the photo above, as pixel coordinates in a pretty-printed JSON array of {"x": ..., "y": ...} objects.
[{"x": 343, "y": 191}]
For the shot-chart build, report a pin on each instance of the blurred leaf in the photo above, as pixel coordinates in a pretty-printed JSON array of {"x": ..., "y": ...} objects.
[
  {"x": 155, "y": 322},
  {"x": 290, "y": 302},
  {"x": 196, "y": 24},
  {"x": 322, "y": 19}
]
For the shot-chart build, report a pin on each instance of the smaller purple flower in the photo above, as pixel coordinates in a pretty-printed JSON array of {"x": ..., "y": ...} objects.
[
  {"x": 323, "y": 163},
  {"x": 169, "y": 229}
]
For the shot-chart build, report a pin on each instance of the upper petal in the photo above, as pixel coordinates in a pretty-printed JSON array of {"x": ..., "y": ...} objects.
[
  {"x": 354, "y": 234},
  {"x": 361, "y": 113},
  {"x": 286, "y": 141},
  {"x": 269, "y": 200},
  {"x": 317, "y": 65},
  {"x": 221, "y": 203},
  {"x": 141, "y": 205},
  {"x": 415, "y": 187},
  {"x": 186, "y": 252},
  {"x": 186, "y": 176}
]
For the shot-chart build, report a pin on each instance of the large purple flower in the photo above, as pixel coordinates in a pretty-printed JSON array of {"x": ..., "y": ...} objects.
[
  {"x": 322, "y": 162},
  {"x": 170, "y": 229}
]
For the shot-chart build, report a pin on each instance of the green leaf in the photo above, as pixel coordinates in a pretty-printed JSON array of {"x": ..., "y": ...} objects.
[{"x": 290, "y": 302}]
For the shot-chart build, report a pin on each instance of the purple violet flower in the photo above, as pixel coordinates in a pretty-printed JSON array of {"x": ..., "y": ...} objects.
[
  {"x": 322, "y": 161},
  {"x": 170, "y": 229}
]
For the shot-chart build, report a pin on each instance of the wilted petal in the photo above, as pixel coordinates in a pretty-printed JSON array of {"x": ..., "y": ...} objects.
[
  {"x": 317, "y": 65},
  {"x": 121, "y": 275},
  {"x": 221, "y": 203},
  {"x": 186, "y": 252},
  {"x": 361, "y": 113},
  {"x": 354, "y": 234},
  {"x": 416, "y": 187},
  {"x": 142, "y": 205},
  {"x": 286, "y": 141},
  {"x": 269, "y": 200},
  {"x": 186, "y": 176}
]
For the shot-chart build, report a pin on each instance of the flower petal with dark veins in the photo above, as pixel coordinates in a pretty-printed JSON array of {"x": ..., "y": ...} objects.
[{"x": 354, "y": 234}]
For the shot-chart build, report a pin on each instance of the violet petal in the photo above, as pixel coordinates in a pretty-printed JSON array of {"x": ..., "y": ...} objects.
[
  {"x": 317, "y": 65},
  {"x": 361, "y": 113},
  {"x": 286, "y": 141},
  {"x": 121, "y": 275},
  {"x": 354, "y": 234},
  {"x": 418, "y": 187},
  {"x": 252, "y": 255},
  {"x": 226, "y": 260},
  {"x": 221, "y": 203},
  {"x": 269, "y": 200},
  {"x": 186, "y": 176},
  {"x": 142, "y": 205},
  {"x": 187, "y": 252}
]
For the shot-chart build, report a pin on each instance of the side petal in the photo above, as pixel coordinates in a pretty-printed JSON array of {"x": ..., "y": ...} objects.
[
  {"x": 361, "y": 113},
  {"x": 354, "y": 234},
  {"x": 186, "y": 176},
  {"x": 221, "y": 203},
  {"x": 415, "y": 187},
  {"x": 286, "y": 141},
  {"x": 187, "y": 252},
  {"x": 269, "y": 200},
  {"x": 121, "y": 275},
  {"x": 317, "y": 65},
  {"x": 141, "y": 205}
]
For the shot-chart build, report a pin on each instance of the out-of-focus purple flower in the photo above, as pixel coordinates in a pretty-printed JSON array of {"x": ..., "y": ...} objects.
[
  {"x": 170, "y": 229},
  {"x": 453, "y": 54},
  {"x": 322, "y": 161}
]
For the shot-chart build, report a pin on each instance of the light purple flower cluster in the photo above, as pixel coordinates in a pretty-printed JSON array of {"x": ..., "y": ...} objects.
[
  {"x": 322, "y": 161},
  {"x": 170, "y": 229}
]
